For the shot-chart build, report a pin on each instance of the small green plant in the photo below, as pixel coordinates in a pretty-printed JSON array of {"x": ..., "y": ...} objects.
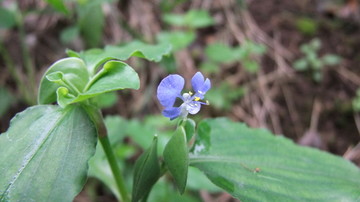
[
  {"x": 311, "y": 61},
  {"x": 11, "y": 18},
  {"x": 189, "y": 21},
  {"x": 219, "y": 53},
  {"x": 223, "y": 96},
  {"x": 181, "y": 39},
  {"x": 307, "y": 26},
  {"x": 89, "y": 23}
]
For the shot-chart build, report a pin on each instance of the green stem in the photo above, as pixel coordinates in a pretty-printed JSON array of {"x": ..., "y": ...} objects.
[
  {"x": 97, "y": 118},
  {"x": 114, "y": 168}
]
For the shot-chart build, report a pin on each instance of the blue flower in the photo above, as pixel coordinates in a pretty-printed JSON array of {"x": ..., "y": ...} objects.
[{"x": 170, "y": 89}]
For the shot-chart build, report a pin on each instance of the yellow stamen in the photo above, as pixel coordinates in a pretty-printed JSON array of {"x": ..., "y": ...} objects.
[
  {"x": 197, "y": 98},
  {"x": 190, "y": 93}
]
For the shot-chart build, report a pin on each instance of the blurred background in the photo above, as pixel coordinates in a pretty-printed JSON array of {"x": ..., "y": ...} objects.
[{"x": 289, "y": 66}]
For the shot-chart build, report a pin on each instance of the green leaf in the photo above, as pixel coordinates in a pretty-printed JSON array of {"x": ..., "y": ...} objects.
[
  {"x": 197, "y": 181},
  {"x": 71, "y": 70},
  {"x": 106, "y": 100},
  {"x": 209, "y": 67},
  {"x": 331, "y": 59},
  {"x": 115, "y": 75},
  {"x": 162, "y": 192},
  {"x": 317, "y": 76},
  {"x": 315, "y": 44},
  {"x": 44, "y": 154},
  {"x": 192, "y": 19},
  {"x": 189, "y": 127},
  {"x": 95, "y": 57},
  {"x": 146, "y": 172},
  {"x": 6, "y": 100},
  {"x": 254, "y": 165},
  {"x": 177, "y": 39},
  {"x": 91, "y": 22},
  {"x": 306, "y": 25},
  {"x": 222, "y": 97},
  {"x": 58, "y": 5},
  {"x": 176, "y": 158},
  {"x": 301, "y": 64},
  {"x": 7, "y": 18},
  {"x": 220, "y": 53},
  {"x": 69, "y": 34},
  {"x": 251, "y": 66}
]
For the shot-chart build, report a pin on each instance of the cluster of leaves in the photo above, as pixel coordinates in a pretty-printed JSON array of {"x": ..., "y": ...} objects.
[
  {"x": 313, "y": 62},
  {"x": 89, "y": 23},
  {"x": 30, "y": 148},
  {"x": 224, "y": 95},
  {"x": 46, "y": 152},
  {"x": 246, "y": 54},
  {"x": 216, "y": 53}
]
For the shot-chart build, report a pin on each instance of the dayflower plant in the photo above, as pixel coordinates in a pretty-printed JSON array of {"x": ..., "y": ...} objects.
[{"x": 170, "y": 89}]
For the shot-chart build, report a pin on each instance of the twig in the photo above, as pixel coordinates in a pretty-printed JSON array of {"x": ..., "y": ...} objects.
[
  {"x": 294, "y": 116},
  {"x": 349, "y": 75},
  {"x": 357, "y": 121},
  {"x": 315, "y": 115}
]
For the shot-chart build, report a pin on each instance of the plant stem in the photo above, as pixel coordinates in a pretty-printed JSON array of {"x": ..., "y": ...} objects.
[
  {"x": 97, "y": 118},
  {"x": 114, "y": 168}
]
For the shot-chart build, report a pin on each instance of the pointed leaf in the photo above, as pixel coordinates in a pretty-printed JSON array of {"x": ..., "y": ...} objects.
[
  {"x": 146, "y": 173},
  {"x": 115, "y": 75},
  {"x": 176, "y": 158},
  {"x": 95, "y": 57},
  {"x": 189, "y": 127},
  {"x": 254, "y": 165},
  {"x": 72, "y": 70},
  {"x": 44, "y": 154}
]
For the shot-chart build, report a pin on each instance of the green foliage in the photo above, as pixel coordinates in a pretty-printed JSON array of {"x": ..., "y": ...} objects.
[
  {"x": 7, "y": 18},
  {"x": 69, "y": 34},
  {"x": 141, "y": 133},
  {"x": 146, "y": 172},
  {"x": 68, "y": 72},
  {"x": 115, "y": 75},
  {"x": 105, "y": 100},
  {"x": 356, "y": 101},
  {"x": 6, "y": 100},
  {"x": 44, "y": 154},
  {"x": 73, "y": 79},
  {"x": 91, "y": 21},
  {"x": 59, "y": 5},
  {"x": 313, "y": 62},
  {"x": 177, "y": 39},
  {"x": 219, "y": 53},
  {"x": 306, "y": 25},
  {"x": 264, "y": 167},
  {"x": 177, "y": 159},
  {"x": 94, "y": 58},
  {"x": 192, "y": 19},
  {"x": 223, "y": 96},
  {"x": 163, "y": 192}
]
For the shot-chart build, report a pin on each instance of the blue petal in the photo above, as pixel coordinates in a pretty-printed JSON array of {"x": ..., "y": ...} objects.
[
  {"x": 169, "y": 89},
  {"x": 199, "y": 85},
  {"x": 172, "y": 112},
  {"x": 193, "y": 107}
]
